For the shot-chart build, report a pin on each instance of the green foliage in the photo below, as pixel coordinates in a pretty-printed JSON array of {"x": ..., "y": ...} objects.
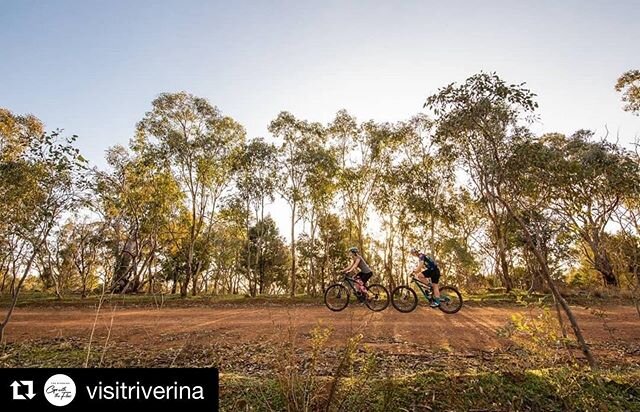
[
  {"x": 629, "y": 85},
  {"x": 270, "y": 257},
  {"x": 538, "y": 332},
  {"x": 185, "y": 205},
  {"x": 198, "y": 145},
  {"x": 551, "y": 389}
]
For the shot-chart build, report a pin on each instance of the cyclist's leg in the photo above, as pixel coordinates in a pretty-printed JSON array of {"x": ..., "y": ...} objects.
[
  {"x": 425, "y": 277},
  {"x": 365, "y": 278},
  {"x": 435, "y": 278},
  {"x": 360, "y": 283}
]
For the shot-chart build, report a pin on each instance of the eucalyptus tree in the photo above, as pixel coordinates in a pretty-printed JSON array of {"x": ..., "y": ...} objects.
[
  {"x": 40, "y": 180},
  {"x": 142, "y": 204},
  {"x": 272, "y": 263},
  {"x": 529, "y": 187},
  {"x": 333, "y": 239},
  {"x": 361, "y": 150},
  {"x": 198, "y": 144},
  {"x": 256, "y": 179},
  {"x": 70, "y": 258},
  {"x": 395, "y": 149},
  {"x": 626, "y": 246},
  {"x": 342, "y": 135},
  {"x": 17, "y": 134},
  {"x": 388, "y": 200},
  {"x": 425, "y": 179},
  {"x": 629, "y": 85},
  {"x": 591, "y": 179},
  {"x": 84, "y": 241},
  {"x": 484, "y": 109},
  {"x": 320, "y": 187},
  {"x": 54, "y": 262},
  {"x": 462, "y": 245},
  {"x": 482, "y": 121},
  {"x": 298, "y": 141}
]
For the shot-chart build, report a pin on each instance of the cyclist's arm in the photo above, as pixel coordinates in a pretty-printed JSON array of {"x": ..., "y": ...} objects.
[
  {"x": 419, "y": 268},
  {"x": 352, "y": 266}
]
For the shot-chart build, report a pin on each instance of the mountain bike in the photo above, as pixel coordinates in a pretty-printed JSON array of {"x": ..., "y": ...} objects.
[
  {"x": 405, "y": 299},
  {"x": 338, "y": 295}
]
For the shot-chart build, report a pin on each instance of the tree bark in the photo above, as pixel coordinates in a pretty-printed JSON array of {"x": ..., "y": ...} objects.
[
  {"x": 293, "y": 250},
  {"x": 16, "y": 291},
  {"x": 504, "y": 264},
  {"x": 261, "y": 246},
  {"x": 602, "y": 264}
]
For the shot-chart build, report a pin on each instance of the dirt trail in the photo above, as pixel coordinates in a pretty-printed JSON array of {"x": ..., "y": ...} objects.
[{"x": 473, "y": 328}]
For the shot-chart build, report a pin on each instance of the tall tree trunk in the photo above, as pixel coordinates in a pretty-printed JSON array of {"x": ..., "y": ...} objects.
[
  {"x": 602, "y": 263},
  {"x": 293, "y": 249},
  {"x": 175, "y": 282},
  {"x": 184, "y": 288},
  {"x": 497, "y": 218},
  {"x": 252, "y": 288},
  {"x": 16, "y": 291},
  {"x": 535, "y": 272},
  {"x": 361, "y": 236},
  {"x": 150, "y": 273},
  {"x": 390, "y": 246},
  {"x": 403, "y": 256},
  {"x": 312, "y": 268},
  {"x": 196, "y": 273},
  {"x": 261, "y": 246},
  {"x": 4, "y": 279},
  {"x": 502, "y": 256}
]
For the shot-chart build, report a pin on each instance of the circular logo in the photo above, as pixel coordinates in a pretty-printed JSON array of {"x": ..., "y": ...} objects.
[{"x": 60, "y": 390}]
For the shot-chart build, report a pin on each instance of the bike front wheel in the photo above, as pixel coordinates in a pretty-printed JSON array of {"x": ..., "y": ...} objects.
[
  {"x": 336, "y": 297},
  {"x": 450, "y": 299},
  {"x": 378, "y": 299},
  {"x": 404, "y": 299}
]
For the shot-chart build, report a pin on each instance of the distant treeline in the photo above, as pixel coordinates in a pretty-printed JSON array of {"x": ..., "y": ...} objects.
[{"x": 184, "y": 208}]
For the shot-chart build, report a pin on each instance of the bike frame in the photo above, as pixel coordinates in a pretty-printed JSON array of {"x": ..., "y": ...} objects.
[
  {"x": 426, "y": 289},
  {"x": 349, "y": 280}
]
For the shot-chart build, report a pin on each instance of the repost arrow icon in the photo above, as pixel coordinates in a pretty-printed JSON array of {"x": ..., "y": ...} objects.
[
  {"x": 16, "y": 395},
  {"x": 29, "y": 384}
]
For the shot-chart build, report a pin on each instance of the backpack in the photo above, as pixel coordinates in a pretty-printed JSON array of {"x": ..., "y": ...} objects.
[{"x": 429, "y": 263}]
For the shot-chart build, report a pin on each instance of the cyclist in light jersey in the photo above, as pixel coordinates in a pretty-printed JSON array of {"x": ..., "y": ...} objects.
[{"x": 364, "y": 271}]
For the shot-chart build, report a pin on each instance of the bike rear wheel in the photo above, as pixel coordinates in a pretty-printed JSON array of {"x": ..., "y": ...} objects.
[
  {"x": 450, "y": 299},
  {"x": 336, "y": 297},
  {"x": 379, "y": 298},
  {"x": 404, "y": 299}
]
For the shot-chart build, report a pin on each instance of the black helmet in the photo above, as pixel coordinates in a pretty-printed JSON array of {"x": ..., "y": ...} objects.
[{"x": 353, "y": 249}]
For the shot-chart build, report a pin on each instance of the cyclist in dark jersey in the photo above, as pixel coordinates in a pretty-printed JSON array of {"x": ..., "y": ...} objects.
[
  {"x": 364, "y": 271},
  {"x": 428, "y": 268}
]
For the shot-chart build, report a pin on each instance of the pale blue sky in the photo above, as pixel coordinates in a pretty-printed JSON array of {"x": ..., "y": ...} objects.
[{"x": 93, "y": 67}]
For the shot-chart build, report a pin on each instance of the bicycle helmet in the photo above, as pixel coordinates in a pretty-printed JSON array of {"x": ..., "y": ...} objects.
[{"x": 353, "y": 250}]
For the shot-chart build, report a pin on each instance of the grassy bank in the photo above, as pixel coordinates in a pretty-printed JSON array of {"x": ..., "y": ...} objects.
[{"x": 565, "y": 389}]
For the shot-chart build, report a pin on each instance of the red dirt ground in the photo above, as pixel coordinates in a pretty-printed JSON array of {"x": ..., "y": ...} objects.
[{"x": 473, "y": 328}]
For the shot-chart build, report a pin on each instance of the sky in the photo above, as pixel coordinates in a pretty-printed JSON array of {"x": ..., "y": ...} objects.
[{"x": 93, "y": 67}]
